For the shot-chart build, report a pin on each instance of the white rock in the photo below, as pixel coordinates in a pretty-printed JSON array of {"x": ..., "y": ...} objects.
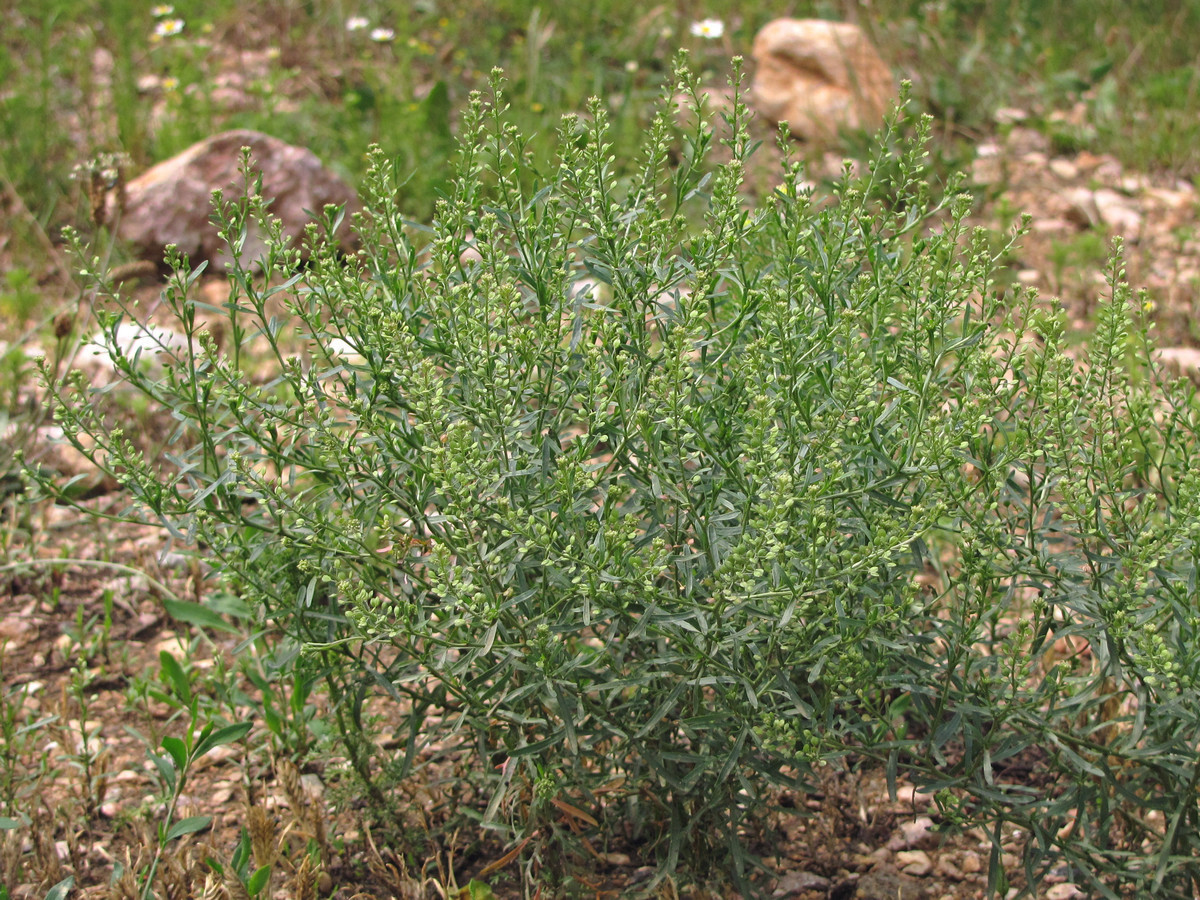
[
  {"x": 1064, "y": 169},
  {"x": 1081, "y": 207},
  {"x": 1007, "y": 115},
  {"x": 917, "y": 832},
  {"x": 149, "y": 343},
  {"x": 971, "y": 862},
  {"x": 1063, "y": 892},
  {"x": 914, "y": 862},
  {"x": 1118, "y": 212},
  {"x": 1182, "y": 361}
]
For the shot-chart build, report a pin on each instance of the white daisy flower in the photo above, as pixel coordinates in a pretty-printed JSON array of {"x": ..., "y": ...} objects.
[
  {"x": 710, "y": 29},
  {"x": 357, "y": 23},
  {"x": 168, "y": 27}
]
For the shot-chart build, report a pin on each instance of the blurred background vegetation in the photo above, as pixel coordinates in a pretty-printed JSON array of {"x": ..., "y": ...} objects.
[{"x": 82, "y": 77}]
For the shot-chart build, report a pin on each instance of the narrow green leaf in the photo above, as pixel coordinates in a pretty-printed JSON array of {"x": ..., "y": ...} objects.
[
  {"x": 178, "y": 751},
  {"x": 226, "y": 735},
  {"x": 195, "y": 614},
  {"x": 178, "y": 678},
  {"x": 166, "y": 770},
  {"x": 256, "y": 882},
  {"x": 190, "y": 825},
  {"x": 62, "y": 889}
]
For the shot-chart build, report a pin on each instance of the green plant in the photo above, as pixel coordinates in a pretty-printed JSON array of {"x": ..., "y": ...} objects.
[
  {"x": 622, "y": 510},
  {"x": 175, "y": 764}
]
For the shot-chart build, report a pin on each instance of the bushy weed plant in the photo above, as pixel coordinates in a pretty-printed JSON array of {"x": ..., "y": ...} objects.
[{"x": 641, "y": 505}]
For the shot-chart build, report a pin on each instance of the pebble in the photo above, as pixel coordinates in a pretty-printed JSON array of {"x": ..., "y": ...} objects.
[
  {"x": 916, "y": 833},
  {"x": 971, "y": 863},
  {"x": 16, "y": 630},
  {"x": 1064, "y": 169},
  {"x": 796, "y": 882},
  {"x": 947, "y": 869},
  {"x": 1063, "y": 892},
  {"x": 914, "y": 862}
]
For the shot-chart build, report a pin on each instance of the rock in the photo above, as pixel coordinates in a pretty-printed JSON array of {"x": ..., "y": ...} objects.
[
  {"x": 16, "y": 630},
  {"x": 1118, "y": 212},
  {"x": 172, "y": 202},
  {"x": 798, "y": 882},
  {"x": 1063, "y": 892},
  {"x": 946, "y": 868},
  {"x": 1023, "y": 141},
  {"x": 1183, "y": 361},
  {"x": 1081, "y": 207},
  {"x": 820, "y": 77},
  {"x": 1064, "y": 169},
  {"x": 914, "y": 862},
  {"x": 917, "y": 833},
  {"x": 971, "y": 862},
  {"x": 885, "y": 884},
  {"x": 1008, "y": 115}
]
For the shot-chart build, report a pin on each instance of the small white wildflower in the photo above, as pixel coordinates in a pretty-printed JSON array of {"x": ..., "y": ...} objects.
[
  {"x": 710, "y": 29},
  {"x": 631, "y": 66},
  {"x": 163, "y": 9},
  {"x": 170, "y": 84},
  {"x": 382, "y": 35},
  {"x": 168, "y": 27},
  {"x": 357, "y": 23}
]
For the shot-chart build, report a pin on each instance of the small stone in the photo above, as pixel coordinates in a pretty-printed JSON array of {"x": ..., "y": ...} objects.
[
  {"x": 1029, "y": 277},
  {"x": 1064, "y": 169},
  {"x": 947, "y": 869},
  {"x": 914, "y": 862},
  {"x": 16, "y": 630},
  {"x": 1118, "y": 212},
  {"x": 173, "y": 645},
  {"x": 1081, "y": 207},
  {"x": 1050, "y": 225},
  {"x": 1063, "y": 892},
  {"x": 971, "y": 863},
  {"x": 797, "y": 882},
  {"x": 885, "y": 884},
  {"x": 1007, "y": 115},
  {"x": 313, "y": 786},
  {"x": 987, "y": 170},
  {"x": 1022, "y": 141},
  {"x": 918, "y": 833},
  {"x": 1134, "y": 184},
  {"x": 621, "y": 860}
]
